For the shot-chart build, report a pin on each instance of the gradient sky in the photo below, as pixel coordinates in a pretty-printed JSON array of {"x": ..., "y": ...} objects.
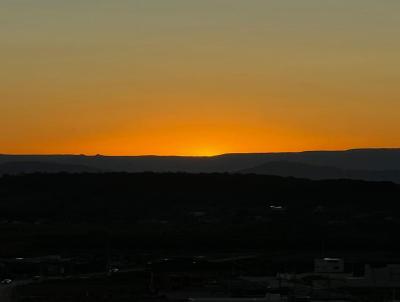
[{"x": 198, "y": 77}]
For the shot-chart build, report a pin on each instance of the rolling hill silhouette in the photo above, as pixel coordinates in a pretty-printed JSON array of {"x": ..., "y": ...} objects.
[
  {"x": 314, "y": 172},
  {"x": 43, "y": 167},
  {"x": 367, "y": 164}
]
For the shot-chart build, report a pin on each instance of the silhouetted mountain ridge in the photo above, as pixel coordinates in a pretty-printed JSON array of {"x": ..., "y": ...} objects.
[
  {"x": 368, "y": 164},
  {"x": 301, "y": 170},
  {"x": 44, "y": 167}
]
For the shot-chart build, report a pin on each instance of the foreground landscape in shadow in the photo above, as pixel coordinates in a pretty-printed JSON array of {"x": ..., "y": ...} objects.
[{"x": 175, "y": 236}]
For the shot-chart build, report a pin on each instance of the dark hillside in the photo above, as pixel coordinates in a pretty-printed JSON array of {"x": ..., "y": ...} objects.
[{"x": 197, "y": 210}]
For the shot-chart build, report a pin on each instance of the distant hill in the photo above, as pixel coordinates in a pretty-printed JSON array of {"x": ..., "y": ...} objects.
[
  {"x": 302, "y": 170},
  {"x": 368, "y": 164},
  {"x": 45, "y": 167},
  {"x": 295, "y": 169}
]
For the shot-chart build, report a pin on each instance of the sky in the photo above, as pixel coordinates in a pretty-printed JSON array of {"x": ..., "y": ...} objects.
[{"x": 190, "y": 77}]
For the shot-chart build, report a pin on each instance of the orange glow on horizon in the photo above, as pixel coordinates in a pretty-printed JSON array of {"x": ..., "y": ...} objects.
[{"x": 198, "y": 78}]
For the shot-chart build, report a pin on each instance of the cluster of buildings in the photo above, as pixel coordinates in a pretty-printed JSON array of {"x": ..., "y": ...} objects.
[
  {"x": 330, "y": 280},
  {"x": 199, "y": 279}
]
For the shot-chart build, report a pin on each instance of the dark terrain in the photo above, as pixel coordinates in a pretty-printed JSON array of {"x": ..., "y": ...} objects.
[
  {"x": 173, "y": 232},
  {"x": 44, "y": 213},
  {"x": 365, "y": 164}
]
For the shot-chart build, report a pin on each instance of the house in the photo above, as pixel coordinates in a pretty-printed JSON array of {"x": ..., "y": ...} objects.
[
  {"x": 387, "y": 276},
  {"x": 329, "y": 265}
]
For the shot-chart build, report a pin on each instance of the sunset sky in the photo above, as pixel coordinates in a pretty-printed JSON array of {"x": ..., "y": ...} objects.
[{"x": 198, "y": 77}]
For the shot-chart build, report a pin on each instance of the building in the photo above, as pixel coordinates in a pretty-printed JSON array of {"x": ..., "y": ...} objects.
[{"x": 328, "y": 266}]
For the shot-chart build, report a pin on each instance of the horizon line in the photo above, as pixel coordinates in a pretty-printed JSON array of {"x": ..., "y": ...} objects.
[{"x": 199, "y": 156}]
